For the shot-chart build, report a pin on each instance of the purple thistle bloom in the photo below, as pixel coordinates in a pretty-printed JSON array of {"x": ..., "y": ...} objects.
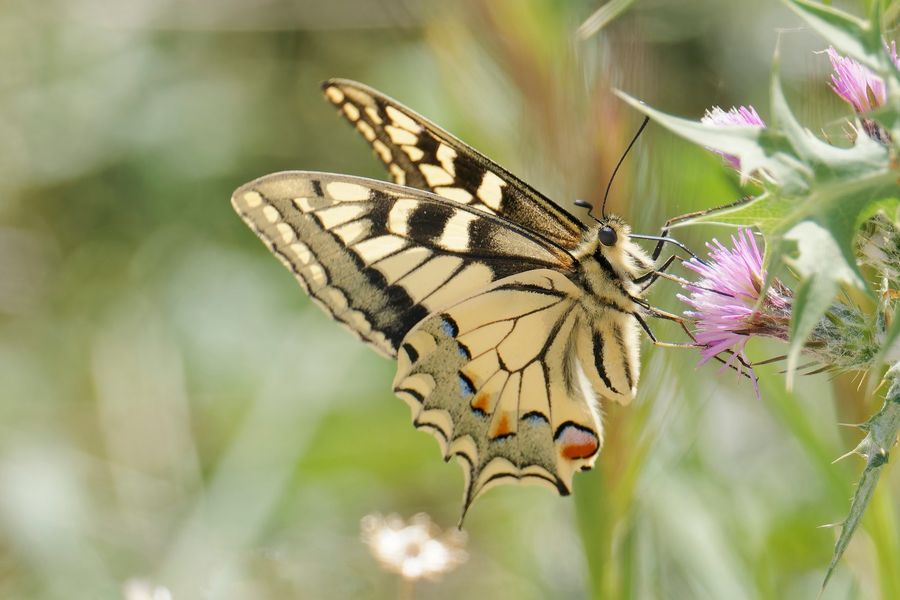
[
  {"x": 726, "y": 301},
  {"x": 855, "y": 83},
  {"x": 745, "y": 116}
]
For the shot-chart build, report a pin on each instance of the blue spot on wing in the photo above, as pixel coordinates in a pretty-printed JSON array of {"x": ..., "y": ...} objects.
[
  {"x": 535, "y": 418},
  {"x": 465, "y": 386},
  {"x": 448, "y": 326}
]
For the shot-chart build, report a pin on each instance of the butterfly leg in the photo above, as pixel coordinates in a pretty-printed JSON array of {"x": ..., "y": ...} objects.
[
  {"x": 661, "y": 314},
  {"x": 664, "y": 232},
  {"x": 663, "y": 238},
  {"x": 655, "y": 341},
  {"x": 650, "y": 277}
]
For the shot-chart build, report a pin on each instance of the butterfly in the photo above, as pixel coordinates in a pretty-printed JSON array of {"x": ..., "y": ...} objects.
[{"x": 508, "y": 317}]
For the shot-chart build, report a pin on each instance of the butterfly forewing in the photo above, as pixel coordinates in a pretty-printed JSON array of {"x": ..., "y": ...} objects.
[
  {"x": 419, "y": 154},
  {"x": 379, "y": 257}
]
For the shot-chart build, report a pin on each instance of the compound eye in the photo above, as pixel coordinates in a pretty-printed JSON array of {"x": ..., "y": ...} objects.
[{"x": 607, "y": 236}]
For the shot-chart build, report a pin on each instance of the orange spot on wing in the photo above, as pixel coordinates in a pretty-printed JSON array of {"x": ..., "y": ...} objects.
[
  {"x": 503, "y": 427},
  {"x": 577, "y": 443},
  {"x": 575, "y": 451},
  {"x": 482, "y": 402}
]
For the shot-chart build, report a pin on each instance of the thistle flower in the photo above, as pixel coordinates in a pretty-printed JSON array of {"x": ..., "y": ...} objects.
[
  {"x": 741, "y": 116},
  {"x": 728, "y": 308},
  {"x": 414, "y": 551},
  {"x": 726, "y": 303},
  {"x": 856, "y": 84},
  {"x": 861, "y": 88}
]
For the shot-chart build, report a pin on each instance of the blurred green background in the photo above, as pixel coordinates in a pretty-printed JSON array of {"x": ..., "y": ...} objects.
[{"x": 173, "y": 408}]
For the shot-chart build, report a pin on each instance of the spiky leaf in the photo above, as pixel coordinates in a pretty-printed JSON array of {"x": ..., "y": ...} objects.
[{"x": 881, "y": 435}]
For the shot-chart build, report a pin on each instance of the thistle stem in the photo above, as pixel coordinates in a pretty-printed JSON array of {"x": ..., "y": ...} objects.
[{"x": 881, "y": 434}]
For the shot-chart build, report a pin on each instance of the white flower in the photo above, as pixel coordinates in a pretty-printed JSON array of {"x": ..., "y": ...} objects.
[
  {"x": 141, "y": 589},
  {"x": 414, "y": 551}
]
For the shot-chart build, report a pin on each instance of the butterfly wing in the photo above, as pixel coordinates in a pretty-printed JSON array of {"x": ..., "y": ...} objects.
[
  {"x": 379, "y": 257},
  {"x": 420, "y": 154},
  {"x": 507, "y": 381}
]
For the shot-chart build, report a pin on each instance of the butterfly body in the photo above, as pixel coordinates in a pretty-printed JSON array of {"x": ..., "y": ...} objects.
[
  {"x": 509, "y": 318},
  {"x": 608, "y": 274}
]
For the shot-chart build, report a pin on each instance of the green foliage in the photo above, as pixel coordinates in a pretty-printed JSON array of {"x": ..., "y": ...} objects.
[
  {"x": 175, "y": 409},
  {"x": 603, "y": 16}
]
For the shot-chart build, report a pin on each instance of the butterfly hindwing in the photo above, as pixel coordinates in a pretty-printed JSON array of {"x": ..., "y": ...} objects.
[
  {"x": 379, "y": 257},
  {"x": 507, "y": 382},
  {"x": 419, "y": 154}
]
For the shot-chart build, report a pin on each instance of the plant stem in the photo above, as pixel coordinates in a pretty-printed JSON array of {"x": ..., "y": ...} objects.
[{"x": 881, "y": 434}]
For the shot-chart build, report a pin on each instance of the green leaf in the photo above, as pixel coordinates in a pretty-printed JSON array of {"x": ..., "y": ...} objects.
[
  {"x": 602, "y": 17},
  {"x": 815, "y": 292},
  {"x": 764, "y": 211},
  {"x": 858, "y": 38},
  {"x": 757, "y": 148},
  {"x": 881, "y": 435}
]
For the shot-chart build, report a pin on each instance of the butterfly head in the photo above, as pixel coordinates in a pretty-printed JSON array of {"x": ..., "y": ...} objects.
[
  {"x": 610, "y": 239},
  {"x": 611, "y": 231},
  {"x": 607, "y": 236}
]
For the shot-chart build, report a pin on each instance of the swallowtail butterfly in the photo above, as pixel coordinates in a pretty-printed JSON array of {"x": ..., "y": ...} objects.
[{"x": 509, "y": 318}]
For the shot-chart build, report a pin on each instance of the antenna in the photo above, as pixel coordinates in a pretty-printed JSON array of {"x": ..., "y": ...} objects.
[
  {"x": 582, "y": 203},
  {"x": 619, "y": 164}
]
